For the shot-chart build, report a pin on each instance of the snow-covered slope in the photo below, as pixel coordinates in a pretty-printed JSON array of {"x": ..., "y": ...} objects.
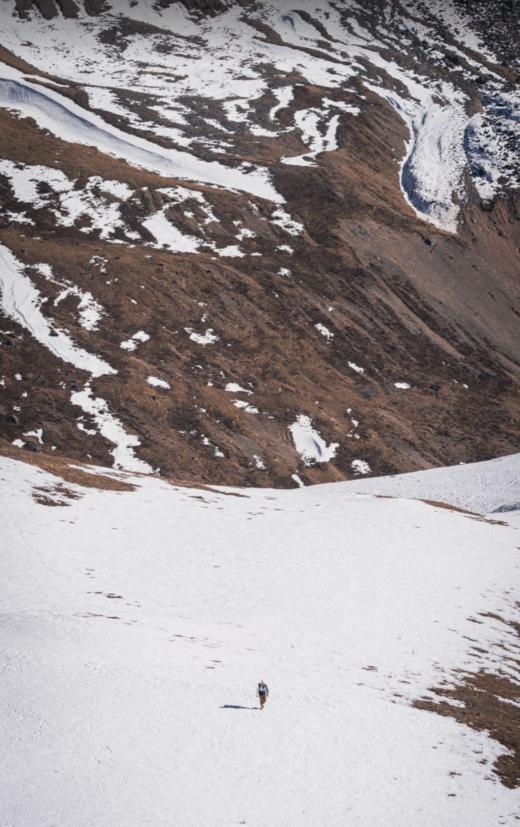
[
  {"x": 480, "y": 486},
  {"x": 136, "y": 624}
]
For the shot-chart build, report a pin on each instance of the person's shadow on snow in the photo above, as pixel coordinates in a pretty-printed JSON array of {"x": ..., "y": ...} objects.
[{"x": 237, "y": 706}]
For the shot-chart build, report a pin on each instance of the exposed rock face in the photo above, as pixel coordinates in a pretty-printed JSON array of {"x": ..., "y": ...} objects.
[{"x": 323, "y": 284}]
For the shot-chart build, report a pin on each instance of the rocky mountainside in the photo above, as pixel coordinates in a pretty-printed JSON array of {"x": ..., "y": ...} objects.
[{"x": 260, "y": 243}]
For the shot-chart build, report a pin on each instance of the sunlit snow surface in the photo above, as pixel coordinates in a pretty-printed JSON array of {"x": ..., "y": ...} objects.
[
  {"x": 135, "y": 626},
  {"x": 479, "y": 486}
]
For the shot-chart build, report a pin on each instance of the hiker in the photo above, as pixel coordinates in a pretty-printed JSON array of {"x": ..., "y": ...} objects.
[{"x": 263, "y": 693}]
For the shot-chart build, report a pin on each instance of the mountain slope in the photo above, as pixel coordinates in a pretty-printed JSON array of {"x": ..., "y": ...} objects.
[
  {"x": 483, "y": 487},
  {"x": 289, "y": 233},
  {"x": 136, "y": 624}
]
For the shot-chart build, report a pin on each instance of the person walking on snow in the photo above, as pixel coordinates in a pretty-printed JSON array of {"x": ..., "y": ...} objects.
[{"x": 263, "y": 693}]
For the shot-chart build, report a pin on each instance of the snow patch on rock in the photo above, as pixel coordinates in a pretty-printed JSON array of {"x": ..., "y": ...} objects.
[{"x": 310, "y": 445}]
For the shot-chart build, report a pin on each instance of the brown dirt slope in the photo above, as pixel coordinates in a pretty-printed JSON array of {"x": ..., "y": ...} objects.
[{"x": 405, "y": 301}]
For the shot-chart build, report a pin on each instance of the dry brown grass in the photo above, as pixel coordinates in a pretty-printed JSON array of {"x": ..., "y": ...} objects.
[
  {"x": 66, "y": 469},
  {"x": 489, "y": 703}
]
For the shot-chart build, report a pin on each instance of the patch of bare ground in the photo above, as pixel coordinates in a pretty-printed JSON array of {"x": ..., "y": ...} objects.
[
  {"x": 54, "y": 495},
  {"x": 487, "y": 702},
  {"x": 472, "y": 514},
  {"x": 68, "y": 470},
  {"x": 448, "y": 507}
]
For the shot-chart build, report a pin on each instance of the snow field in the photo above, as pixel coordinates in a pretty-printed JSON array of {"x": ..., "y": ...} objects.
[
  {"x": 478, "y": 486},
  {"x": 136, "y": 626}
]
